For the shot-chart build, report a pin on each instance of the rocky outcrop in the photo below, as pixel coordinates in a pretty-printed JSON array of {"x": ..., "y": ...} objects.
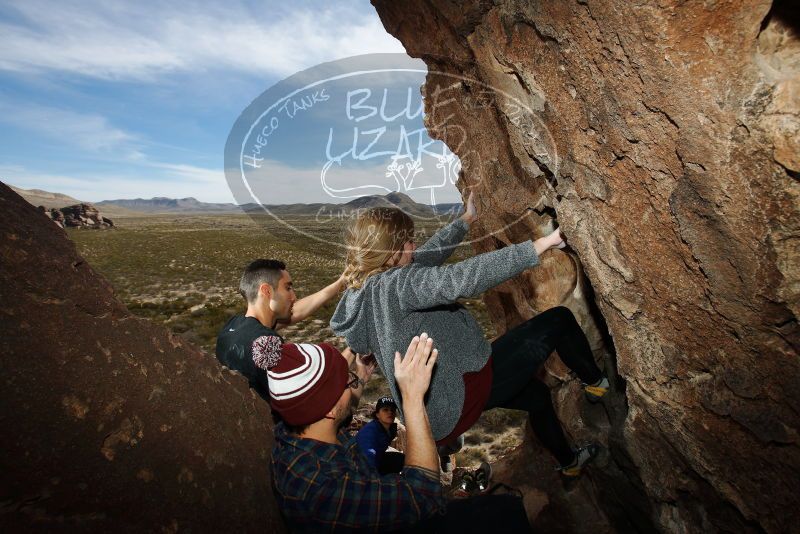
[
  {"x": 110, "y": 423},
  {"x": 663, "y": 137},
  {"x": 81, "y": 215}
]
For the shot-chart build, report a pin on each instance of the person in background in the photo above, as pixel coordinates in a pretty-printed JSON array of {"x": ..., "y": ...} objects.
[{"x": 374, "y": 438}]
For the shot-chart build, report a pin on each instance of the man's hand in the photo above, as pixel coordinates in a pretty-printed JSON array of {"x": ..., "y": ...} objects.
[
  {"x": 413, "y": 375},
  {"x": 365, "y": 366},
  {"x": 363, "y": 369},
  {"x": 470, "y": 214},
  {"x": 306, "y": 306},
  {"x": 413, "y": 372}
]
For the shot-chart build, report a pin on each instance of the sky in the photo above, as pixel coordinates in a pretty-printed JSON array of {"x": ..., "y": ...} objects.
[{"x": 107, "y": 100}]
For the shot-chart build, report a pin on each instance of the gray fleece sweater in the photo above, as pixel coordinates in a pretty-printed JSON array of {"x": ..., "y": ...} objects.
[{"x": 392, "y": 307}]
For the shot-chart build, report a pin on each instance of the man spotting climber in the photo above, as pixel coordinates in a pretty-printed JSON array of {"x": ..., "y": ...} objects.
[
  {"x": 322, "y": 480},
  {"x": 245, "y": 341}
]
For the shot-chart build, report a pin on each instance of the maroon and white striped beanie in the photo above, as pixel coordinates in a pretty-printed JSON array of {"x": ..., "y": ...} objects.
[{"x": 305, "y": 381}]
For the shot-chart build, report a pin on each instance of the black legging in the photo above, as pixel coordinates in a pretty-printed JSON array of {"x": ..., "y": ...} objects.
[{"x": 516, "y": 357}]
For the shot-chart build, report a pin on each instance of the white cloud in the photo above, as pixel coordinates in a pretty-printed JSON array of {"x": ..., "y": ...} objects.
[
  {"x": 191, "y": 173},
  {"x": 87, "y": 131},
  {"x": 116, "y": 40}
]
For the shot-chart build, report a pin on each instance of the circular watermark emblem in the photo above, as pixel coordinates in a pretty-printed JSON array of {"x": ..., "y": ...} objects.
[{"x": 327, "y": 143}]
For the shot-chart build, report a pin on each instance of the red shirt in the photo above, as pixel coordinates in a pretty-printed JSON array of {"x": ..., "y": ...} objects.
[{"x": 477, "y": 387}]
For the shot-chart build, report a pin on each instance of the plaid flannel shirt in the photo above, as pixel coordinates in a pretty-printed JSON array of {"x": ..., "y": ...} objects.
[{"x": 322, "y": 487}]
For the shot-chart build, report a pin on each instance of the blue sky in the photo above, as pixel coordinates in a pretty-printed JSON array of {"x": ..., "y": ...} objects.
[{"x": 104, "y": 100}]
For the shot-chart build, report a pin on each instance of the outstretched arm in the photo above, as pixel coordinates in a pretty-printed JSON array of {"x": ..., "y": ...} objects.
[
  {"x": 441, "y": 245},
  {"x": 422, "y": 287},
  {"x": 306, "y": 306},
  {"x": 413, "y": 375}
]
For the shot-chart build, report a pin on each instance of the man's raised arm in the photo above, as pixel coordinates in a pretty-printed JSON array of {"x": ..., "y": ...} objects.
[
  {"x": 306, "y": 306},
  {"x": 413, "y": 375}
]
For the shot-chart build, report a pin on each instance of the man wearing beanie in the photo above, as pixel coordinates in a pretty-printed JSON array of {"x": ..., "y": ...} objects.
[{"x": 322, "y": 481}]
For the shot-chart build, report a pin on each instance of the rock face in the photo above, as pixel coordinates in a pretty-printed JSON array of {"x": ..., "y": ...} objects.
[
  {"x": 663, "y": 136},
  {"x": 110, "y": 423},
  {"x": 78, "y": 216}
]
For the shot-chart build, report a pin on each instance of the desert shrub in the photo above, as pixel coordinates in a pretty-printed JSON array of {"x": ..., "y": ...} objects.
[
  {"x": 179, "y": 327},
  {"x": 470, "y": 456},
  {"x": 512, "y": 439},
  {"x": 474, "y": 437},
  {"x": 498, "y": 420},
  {"x": 376, "y": 388}
]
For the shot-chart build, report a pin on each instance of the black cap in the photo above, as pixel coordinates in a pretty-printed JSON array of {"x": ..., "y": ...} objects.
[{"x": 385, "y": 401}]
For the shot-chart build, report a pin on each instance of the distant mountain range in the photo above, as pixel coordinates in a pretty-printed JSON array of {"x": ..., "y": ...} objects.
[
  {"x": 139, "y": 206},
  {"x": 392, "y": 200},
  {"x": 167, "y": 205}
]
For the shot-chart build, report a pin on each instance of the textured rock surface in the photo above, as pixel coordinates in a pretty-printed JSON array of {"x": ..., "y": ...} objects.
[
  {"x": 110, "y": 422},
  {"x": 664, "y": 137}
]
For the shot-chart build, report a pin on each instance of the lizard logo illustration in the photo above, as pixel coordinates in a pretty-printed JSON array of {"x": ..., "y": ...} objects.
[{"x": 358, "y": 127}]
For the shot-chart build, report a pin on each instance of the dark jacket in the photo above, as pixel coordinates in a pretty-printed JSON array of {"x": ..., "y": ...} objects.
[{"x": 373, "y": 440}]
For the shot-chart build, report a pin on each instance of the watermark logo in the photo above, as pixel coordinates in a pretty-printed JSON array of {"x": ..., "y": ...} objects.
[{"x": 344, "y": 136}]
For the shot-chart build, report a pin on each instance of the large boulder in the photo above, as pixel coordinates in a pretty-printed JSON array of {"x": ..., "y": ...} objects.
[
  {"x": 111, "y": 423},
  {"x": 663, "y": 137}
]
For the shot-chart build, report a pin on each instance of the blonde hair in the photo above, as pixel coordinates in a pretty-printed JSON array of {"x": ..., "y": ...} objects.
[{"x": 372, "y": 239}]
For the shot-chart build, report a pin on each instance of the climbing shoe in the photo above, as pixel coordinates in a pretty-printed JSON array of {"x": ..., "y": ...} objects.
[
  {"x": 483, "y": 476},
  {"x": 467, "y": 484},
  {"x": 583, "y": 456},
  {"x": 595, "y": 392}
]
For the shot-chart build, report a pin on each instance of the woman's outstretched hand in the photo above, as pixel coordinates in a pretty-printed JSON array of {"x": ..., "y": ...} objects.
[
  {"x": 470, "y": 214},
  {"x": 553, "y": 240}
]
